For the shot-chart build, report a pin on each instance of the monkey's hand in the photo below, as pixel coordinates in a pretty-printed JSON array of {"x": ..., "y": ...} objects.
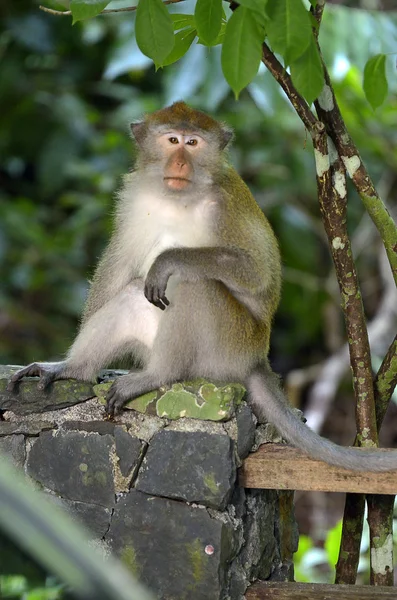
[{"x": 156, "y": 281}]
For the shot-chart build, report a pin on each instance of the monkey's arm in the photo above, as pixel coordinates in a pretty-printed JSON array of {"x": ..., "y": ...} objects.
[{"x": 234, "y": 267}]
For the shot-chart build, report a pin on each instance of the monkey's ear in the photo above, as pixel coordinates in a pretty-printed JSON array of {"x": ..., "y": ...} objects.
[
  {"x": 226, "y": 137},
  {"x": 138, "y": 131}
]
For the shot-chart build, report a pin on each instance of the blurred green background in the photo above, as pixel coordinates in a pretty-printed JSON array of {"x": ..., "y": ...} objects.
[{"x": 67, "y": 95}]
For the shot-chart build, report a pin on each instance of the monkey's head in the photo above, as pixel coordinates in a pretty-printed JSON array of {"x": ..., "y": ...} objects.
[{"x": 181, "y": 146}]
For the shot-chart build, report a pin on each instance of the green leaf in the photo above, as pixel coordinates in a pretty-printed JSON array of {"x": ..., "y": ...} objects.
[
  {"x": 258, "y": 6},
  {"x": 307, "y": 73},
  {"x": 242, "y": 49},
  {"x": 181, "y": 21},
  {"x": 375, "y": 82},
  {"x": 154, "y": 30},
  {"x": 288, "y": 28},
  {"x": 183, "y": 41},
  {"x": 86, "y": 9},
  {"x": 208, "y": 15},
  {"x": 332, "y": 544},
  {"x": 218, "y": 40}
]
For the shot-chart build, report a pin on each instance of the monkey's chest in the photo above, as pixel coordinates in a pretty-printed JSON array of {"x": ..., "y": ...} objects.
[
  {"x": 159, "y": 245},
  {"x": 156, "y": 235}
]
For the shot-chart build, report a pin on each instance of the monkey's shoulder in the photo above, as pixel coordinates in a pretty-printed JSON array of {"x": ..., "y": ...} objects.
[
  {"x": 237, "y": 191},
  {"x": 239, "y": 203}
]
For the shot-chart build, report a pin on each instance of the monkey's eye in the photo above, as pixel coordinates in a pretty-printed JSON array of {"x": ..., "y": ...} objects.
[
  {"x": 192, "y": 142},
  {"x": 173, "y": 140}
]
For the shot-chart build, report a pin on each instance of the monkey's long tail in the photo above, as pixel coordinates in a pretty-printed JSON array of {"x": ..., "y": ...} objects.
[{"x": 269, "y": 402}]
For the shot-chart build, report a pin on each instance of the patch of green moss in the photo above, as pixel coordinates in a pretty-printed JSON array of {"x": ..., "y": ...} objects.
[
  {"x": 142, "y": 403},
  {"x": 100, "y": 391},
  {"x": 209, "y": 481},
  {"x": 196, "y": 555},
  {"x": 129, "y": 558}
]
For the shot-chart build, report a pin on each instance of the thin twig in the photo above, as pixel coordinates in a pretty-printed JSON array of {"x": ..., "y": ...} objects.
[{"x": 68, "y": 13}]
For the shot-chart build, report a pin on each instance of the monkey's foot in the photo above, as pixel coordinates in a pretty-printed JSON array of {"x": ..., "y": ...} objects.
[
  {"x": 46, "y": 373},
  {"x": 126, "y": 388},
  {"x": 117, "y": 396}
]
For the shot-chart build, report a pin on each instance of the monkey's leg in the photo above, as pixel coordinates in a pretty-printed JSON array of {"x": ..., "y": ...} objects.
[
  {"x": 174, "y": 351},
  {"x": 126, "y": 324}
]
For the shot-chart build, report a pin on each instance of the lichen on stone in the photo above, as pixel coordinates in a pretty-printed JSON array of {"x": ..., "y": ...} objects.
[{"x": 198, "y": 399}]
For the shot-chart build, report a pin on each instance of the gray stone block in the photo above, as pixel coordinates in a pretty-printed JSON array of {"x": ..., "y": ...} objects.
[
  {"x": 75, "y": 464},
  {"x": 128, "y": 450},
  {"x": 259, "y": 552},
  {"x": 94, "y": 518},
  {"x": 192, "y": 466},
  {"x": 245, "y": 431},
  {"x": 178, "y": 551},
  {"x": 32, "y": 428},
  {"x": 101, "y": 427},
  {"x": 14, "y": 448},
  {"x": 27, "y": 399}
]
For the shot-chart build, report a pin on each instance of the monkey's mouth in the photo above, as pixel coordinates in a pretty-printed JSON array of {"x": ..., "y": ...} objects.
[{"x": 176, "y": 183}]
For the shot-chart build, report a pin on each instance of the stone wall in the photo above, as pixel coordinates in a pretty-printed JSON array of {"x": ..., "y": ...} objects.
[{"x": 159, "y": 490}]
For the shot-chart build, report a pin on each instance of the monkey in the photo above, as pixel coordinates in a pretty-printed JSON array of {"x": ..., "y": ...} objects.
[{"x": 189, "y": 283}]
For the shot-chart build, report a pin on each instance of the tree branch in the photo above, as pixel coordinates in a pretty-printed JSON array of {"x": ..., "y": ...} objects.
[
  {"x": 312, "y": 124},
  {"x": 332, "y": 194},
  {"x": 385, "y": 382},
  {"x": 329, "y": 113}
]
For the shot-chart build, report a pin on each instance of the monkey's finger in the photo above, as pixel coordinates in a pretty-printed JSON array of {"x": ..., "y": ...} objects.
[
  {"x": 109, "y": 408},
  {"x": 110, "y": 401},
  {"x": 156, "y": 301},
  {"x": 45, "y": 379},
  {"x": 32, "y": 370},
  {"x": 160, "y": 299},
  {"x": 11, "y": 385},
  {"x": 117, "y": 406},
  {"x": 113, "y": 407},
  {"x": 159, "y": 304},
  {"x": 165, "y": 300}
]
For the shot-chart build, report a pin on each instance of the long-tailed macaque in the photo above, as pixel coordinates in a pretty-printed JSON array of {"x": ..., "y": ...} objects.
[{"x": 189, "y": 282}]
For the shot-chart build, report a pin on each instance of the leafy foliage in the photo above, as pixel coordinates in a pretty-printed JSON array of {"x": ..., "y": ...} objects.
[
  {"x": 85, "y": 9},
  {"x": 242, "y": 49},
  {"x": 16, "y": 587},
  {"x": 309, "y": 559},
  {"x": 288, "y": 28},
  {"x": 375, "y": 82},
  {"x": 208, "y": 15},
  {"x": 307, "y": 72},
  {"x": 285, "y": 24},
  {"x": 183, "y": 41},
  {"x": 154, "y": 30}
]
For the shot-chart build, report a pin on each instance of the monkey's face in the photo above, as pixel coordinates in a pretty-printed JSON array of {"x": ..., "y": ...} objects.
[
  {"x": 180, "y": 157},
  {"x": 180, "y": 152}
]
